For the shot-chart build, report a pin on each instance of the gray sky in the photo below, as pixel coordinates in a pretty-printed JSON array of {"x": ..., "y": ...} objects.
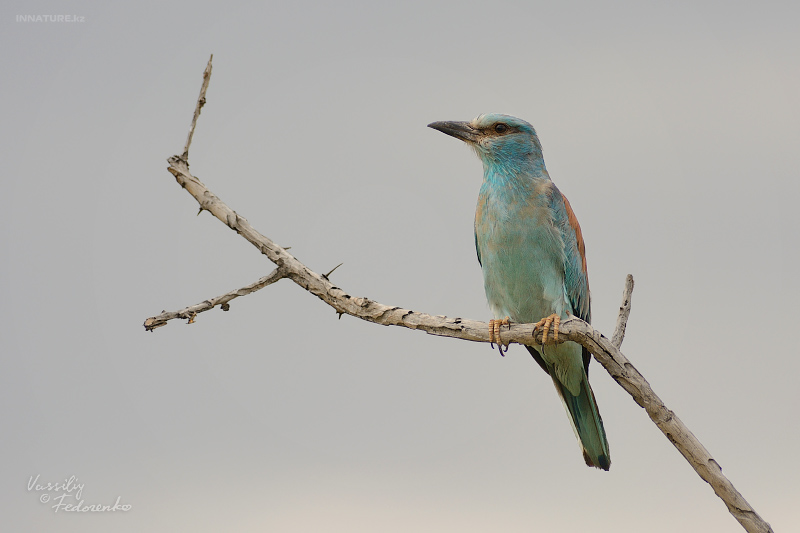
[{"x": 672, "y": 128}]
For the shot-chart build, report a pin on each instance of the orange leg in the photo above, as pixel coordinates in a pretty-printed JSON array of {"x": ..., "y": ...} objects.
[
  {"x": 494, "y": 334},
  {"x": 546, "y": 322}
]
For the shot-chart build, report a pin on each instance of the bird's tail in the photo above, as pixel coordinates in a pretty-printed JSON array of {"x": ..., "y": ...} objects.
[{"x": 586, "y": 422}]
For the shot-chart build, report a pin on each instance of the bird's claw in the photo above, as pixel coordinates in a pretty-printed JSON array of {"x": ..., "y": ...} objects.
[
  {"x": 494, "y": 334},
  {"x": 552, "y": 320}
]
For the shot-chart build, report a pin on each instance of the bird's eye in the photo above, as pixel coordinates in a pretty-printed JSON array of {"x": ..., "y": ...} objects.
[{"x": 500, "y": 128}]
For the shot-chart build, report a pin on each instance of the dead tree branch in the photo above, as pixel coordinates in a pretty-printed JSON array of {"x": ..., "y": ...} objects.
[
  {"x": 604, "y": 350},
  {"x": 624, "y": 312},
  {"x": 201, "y": 101},
  {"x": 191, "y": 312}
]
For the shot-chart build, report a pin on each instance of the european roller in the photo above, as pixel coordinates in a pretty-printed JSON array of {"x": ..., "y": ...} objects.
[{"x": 533, "y": 260}]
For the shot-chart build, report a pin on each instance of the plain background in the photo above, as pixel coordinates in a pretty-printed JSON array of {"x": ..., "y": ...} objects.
[{"x": 673, "y": 128}]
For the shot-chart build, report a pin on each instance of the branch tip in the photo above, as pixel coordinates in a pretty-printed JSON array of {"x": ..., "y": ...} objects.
[
  {"x": 624, "y": 312},
  {"x": 201, "y": 101}
]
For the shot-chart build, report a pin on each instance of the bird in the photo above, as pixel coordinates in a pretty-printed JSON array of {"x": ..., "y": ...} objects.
[{"x": 533, "y": 259}]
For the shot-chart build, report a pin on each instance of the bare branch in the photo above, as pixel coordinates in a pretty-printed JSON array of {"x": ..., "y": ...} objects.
[
  {"x": 201, "y": 101},
  {"x": 192, "y": 311},
  {"x": 606, "y": 352},
  {"x": 624, "y": 312}
]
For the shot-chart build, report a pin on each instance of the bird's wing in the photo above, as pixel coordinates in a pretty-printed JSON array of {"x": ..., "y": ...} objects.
[{"x": 576, "y": 276}]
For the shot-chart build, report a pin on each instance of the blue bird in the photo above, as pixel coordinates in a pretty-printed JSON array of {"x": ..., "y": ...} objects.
[{"x": 533, "y": 260}]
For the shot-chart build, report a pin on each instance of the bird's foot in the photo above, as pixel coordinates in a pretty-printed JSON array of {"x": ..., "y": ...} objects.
[
  {"x": 552, "y": 320},
  {"x": 494, "y": 334}
]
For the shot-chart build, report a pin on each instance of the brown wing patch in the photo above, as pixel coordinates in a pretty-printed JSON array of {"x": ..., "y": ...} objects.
[{"x": 573, "y": 221}]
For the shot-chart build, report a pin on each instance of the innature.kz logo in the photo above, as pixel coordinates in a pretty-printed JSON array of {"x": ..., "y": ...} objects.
[{"x": 51, "y": 18}]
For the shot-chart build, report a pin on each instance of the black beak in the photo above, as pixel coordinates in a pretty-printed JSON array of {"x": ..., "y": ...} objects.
[{"x": 459, "y": 130}]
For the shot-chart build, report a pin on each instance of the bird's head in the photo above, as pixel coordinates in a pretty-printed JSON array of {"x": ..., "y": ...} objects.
[{"x": 501, "y": 141}]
